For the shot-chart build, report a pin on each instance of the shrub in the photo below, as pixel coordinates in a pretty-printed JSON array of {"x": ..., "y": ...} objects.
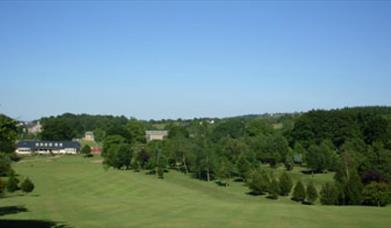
[
  {"x": 86, "y": 150},
  {"x": 286, "y": 184},
  {"x": 27, "y": 186},
  {"x": 376, "y": 194},
  {"x": 259, "y": 182},
  {"x": 274, "y": 189},
  {"x": 299, "y": 192},
  {"x": 160, "y": 173},
  {"x": 329, "y": 194},
  {"x": 312, "y": 194},
  {"x": 12, "y": 183},
  {"x": 2, "y": 187}
]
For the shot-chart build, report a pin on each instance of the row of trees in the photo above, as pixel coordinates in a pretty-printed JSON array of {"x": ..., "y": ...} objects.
[
  {"x": 8, "y": 135},
  {"x": 353, "y": 142}
]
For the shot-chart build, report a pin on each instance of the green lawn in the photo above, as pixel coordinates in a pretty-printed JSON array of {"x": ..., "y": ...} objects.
[{"x": 79, "y": 193}]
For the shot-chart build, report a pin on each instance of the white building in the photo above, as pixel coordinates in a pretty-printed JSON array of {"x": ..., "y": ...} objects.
[
  {"x": 26, "y": 147},
  {"x": 155, "y": 135}
]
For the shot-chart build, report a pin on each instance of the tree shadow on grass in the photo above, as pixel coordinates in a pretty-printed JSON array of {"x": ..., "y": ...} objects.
[
  {"x": 30, "y": 223},
  {"x": 12, "y": 210},
  {"x": 24, "y": 223},
  {"x": 252, "y": 193}
]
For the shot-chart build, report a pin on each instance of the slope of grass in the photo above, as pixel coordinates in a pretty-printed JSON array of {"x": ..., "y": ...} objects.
[{"x": 80, "y": 193}]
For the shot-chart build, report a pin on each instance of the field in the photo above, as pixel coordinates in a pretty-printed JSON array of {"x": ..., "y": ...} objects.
[{"x": 77, "y": 192}]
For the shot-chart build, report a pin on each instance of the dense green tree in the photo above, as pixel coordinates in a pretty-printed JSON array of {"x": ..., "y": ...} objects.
[
  {"x": 312, "y": 193},
  {"x": 5, "y": 164},
  {"x": 274, "y": 189},
  {"x": 8, "y": 134},
  {"x": 117, "y": 153},
  {"x": 111, "y": 141},
  {"x": 286, "y": 184},
  {"x": 86, "y": 150},
  {"x": 348, "y": 180},
  {"x": 299, "y": 193},
  {"x": 244, "y": 168},
  {"x": 329, "y": 194},
  {"x": 321, "y": 157},
  {"x": 377, "y": 194},
  {"x": 2, "y": 187},
  {"x": 259, "y": 182},
  {"x": 224, "y": 170},
  {"x": 275, "y": 149},
  {"x": 289, "y": 160},
  {"x": 12, "y": 183},
  {"x": 258, "y": 126},
  {"x": 27, "y": 186},
  {"x": 99, "y": 134},
  {"x": 136, "y": 131},
  {"x": 299, "y": 153}
]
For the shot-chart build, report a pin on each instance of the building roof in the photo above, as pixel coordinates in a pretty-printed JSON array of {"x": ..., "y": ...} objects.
[
  {"x": 157, "y": 132},
  {"x": 38, "y": 144}
]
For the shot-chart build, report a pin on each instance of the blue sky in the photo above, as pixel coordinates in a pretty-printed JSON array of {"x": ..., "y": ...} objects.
[{"x": 192, "y": 59}]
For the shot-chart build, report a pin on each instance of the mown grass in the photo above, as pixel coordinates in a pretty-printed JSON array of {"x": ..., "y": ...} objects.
[{"x": 80, "y": 193}]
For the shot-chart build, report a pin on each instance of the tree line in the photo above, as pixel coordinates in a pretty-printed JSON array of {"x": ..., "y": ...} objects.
[{"x": 355, "y": 143}]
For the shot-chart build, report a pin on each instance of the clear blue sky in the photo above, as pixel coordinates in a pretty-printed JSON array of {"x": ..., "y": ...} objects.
[{"x": 192, "y": 59}]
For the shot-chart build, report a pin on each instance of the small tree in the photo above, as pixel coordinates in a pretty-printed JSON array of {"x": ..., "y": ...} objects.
[
  {"x": 376, "y": 194},
  {"x": 299, "y": 192},
  {"x": 86, "y": 150},
  {"x": 274, "y": 189},
  {"x": 2, "y": 187},
  {"x": 312, "y": 194},
  {"x": 259, "y": 182},
  {"x": 329, "y": 194},
  {"x": 160, "y": 172},
  {"x": 27, "y": 186},
  {"x": 286, "y": 184},
  {"x": 12, "y": 183}
]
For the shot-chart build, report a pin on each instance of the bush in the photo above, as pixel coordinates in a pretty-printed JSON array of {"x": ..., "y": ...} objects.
[
  {"x": 299, "y": 192},
  {"x": 259, "y": 182},
  {"x": 86, "y": 150},
  {"x": 312, "y": 194},
  {"x": 2, "y": 187},
  {"x": 376, "y": 194},
  {"x": 286, "y": 184},
  {"x": 160, "y": 173},
  {"x": 12, "y": 183},
  {"x": 274, "y": 189},
  {"x": 27, "y": 186},
  {"x": 329, "y": 194}
]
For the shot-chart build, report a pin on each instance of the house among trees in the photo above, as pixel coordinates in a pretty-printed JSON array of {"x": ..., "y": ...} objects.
[
  {"x": 27, "y": 147},
  {"x": 155, "y": 135},
  {"x": 89, "y": 136}
]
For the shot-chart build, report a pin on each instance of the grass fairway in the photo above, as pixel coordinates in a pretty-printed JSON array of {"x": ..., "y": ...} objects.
[{"x": 80, "y": 193}]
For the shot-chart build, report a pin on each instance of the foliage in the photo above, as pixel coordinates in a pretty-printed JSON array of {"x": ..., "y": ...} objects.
[
  {"x": 12, "y": 183},
  {"x": 286, "y": 184},
  {"x": 377, "y": 194},
  {"x": 299, "y": 193},
  {"x": 27, "y": 186},
  {"x": 2, "y": 187},
  {"x": 8, "y": 133},
  {"x": 86, "y": 150},
  {"x": 321, "y": 157},
  {"x": 5, "y": 164},
  {"x": 259, "y": 182},
  {"x": 312, "y": 193},
  {"x": 274, "y": 189},
  {"x": 329, "y": 194}
]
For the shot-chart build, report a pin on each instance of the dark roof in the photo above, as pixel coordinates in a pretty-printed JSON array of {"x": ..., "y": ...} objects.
[{"x": 38, "y": 144}]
